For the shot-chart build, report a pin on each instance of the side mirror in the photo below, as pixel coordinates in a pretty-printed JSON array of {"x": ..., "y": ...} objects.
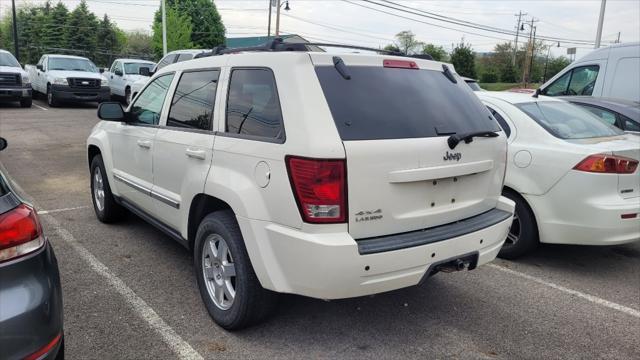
[
  {"x": 101, "y": 70},
  {"x": 118, "y": 72},
  {"x": 111, "y": 111},
  {"x": 3, "y": 143},
  {"x": 144, "y": 71},
  {"x": 40, "y": 67}
]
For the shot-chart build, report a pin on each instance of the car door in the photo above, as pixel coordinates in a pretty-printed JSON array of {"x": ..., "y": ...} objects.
[
  {"x": 115, "y": 80},
  {"x": 40, "y": 81},
  {"x": 132, "y": 143},
  {"x": 183, "y": 146},
  {"x": 581, "y": 80}
]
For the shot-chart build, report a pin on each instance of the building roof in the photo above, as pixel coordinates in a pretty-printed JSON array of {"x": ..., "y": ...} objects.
[{"x": 261, "y": 40}]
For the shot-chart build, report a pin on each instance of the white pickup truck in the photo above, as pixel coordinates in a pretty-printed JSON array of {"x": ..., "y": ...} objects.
[
  {"x": 124, "y": 73},
  {"x": 68, "y": 78},
  {"x": 14, "y": 82}
]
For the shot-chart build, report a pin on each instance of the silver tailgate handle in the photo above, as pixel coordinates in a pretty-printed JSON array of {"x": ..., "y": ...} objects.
[
  {"x": 144, "y": 144},
  {"x": 196, "y": 154}
]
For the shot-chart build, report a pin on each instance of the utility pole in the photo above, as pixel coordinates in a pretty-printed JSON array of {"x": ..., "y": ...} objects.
[
  {"x": 164, "y": 28},
  {"x": 269, "y": 25},
  {"x": 600, "y": 22},
  {"x": 278, "y": 20},
  {"x": 525, "y": 76},
  {"x": 515, "y": 48},
  {"x": 15, "y": 30},
  {"x": 618, "y": 39},
  {"x": 533, "y": 54}
]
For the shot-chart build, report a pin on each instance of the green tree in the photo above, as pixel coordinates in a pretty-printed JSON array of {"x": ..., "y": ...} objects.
[
  {"x": 208, "y": 30},
  {"x": 407, "y": 43},
  {"x": 508, "y": 73},
  {"x": 81, "y": 29},
  {"x": 107, "y": 37},
  {"x": 438, "y": 53},
  {"x": 180, "y": 35},
  {"x": 555, "y": 65},
  {"x": 138, "y": 43},
  {"x": 463, "y": 59},
  {"x": 392, "y": 47},
  {"x": 57, "y": 26}
]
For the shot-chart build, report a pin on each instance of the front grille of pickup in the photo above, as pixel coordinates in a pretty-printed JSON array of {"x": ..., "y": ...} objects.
[
  {"x": 9, "y": 79},
  {"x": 84, "y": 83}
]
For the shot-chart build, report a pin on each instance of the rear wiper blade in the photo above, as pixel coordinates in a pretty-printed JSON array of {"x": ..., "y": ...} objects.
[
  {"x": 338, "y": 63},
  {"x": 455, "y": 139}
]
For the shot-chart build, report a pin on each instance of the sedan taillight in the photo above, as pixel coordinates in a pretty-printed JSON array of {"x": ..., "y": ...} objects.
[
  {"x": 607, "y": 164},
  {"x": 20, "y": 232},
  {"x": 320, "y": 188}
]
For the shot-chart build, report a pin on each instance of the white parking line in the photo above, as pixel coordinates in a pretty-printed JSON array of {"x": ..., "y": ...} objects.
[
  {"x": 43, "y": 212},
  {"x": 180, "y": 347},
  {"x": 591, "y": 298},
  {"x": 40, "y": 107}
]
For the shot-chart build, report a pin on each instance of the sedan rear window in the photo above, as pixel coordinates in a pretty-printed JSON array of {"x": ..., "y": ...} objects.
[
  {"x": 392, "y": 103},
  {"x": 567, "y": 121}
]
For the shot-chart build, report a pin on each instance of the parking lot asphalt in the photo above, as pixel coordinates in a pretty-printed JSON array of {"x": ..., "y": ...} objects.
[{"x": 130, "y": 292}]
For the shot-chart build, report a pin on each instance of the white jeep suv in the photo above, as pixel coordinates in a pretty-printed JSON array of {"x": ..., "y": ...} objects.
[{"x": 306, "y": 173}]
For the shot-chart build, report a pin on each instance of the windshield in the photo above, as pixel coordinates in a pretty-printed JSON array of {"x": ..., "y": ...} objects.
[
  {"x": 7, "y": 59},
  {"x": 390, "y": 103},
  {"x": 134, "y": 68},
  {"x": 567, "y": 121},
  {"x": 71, "y": 64}
]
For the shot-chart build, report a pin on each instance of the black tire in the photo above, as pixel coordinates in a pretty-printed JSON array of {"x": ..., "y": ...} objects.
[
  {"x": 26, "y": 102},
  {"x": 523, "y": 233},
  {"x": 111, "y": 211},
  {"x": 51, "y": 98},
  {"x": 252, "y": 303}
]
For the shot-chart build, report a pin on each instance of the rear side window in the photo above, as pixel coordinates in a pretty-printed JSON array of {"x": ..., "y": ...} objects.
[
  {"x": 501, "y": 121},
  {"x": 167, "y": 60},
  {"x": 192, "y": 104},
  {"x": 253, "y": 106},
  {"x": 568, "y": 121},
  {"x": 391, "y": 103},
  {"x": 184, "y": 57},
  {"x": 606, "y": 115},
  {"x": 629, "y": 125}
]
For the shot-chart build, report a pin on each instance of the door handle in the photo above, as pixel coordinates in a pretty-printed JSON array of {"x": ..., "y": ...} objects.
[
  {"x": 144, "y": 144},
  {"x": 196, "y": 154}
]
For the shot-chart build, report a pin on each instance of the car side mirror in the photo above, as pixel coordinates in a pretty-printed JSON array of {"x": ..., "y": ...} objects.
[
  {"x": 144, "y": 71},
  {"x": 111, "y": 111},
  {"x": 3, "y": 143},
  {"x": 101, "y": 70},
  {"x": 40, "y": 67}
]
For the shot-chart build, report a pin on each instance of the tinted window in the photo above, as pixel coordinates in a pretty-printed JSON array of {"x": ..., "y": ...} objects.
[
  {"x": 169, "y": 59},
  {"x": 148, "y": 105},
  {"x": 567, "y": 121},
  {"x": 501, "y": 121},
  {"x": 391, "y": 103},
  {"x": 184, "y": 57},
  {"x": 192, "y": 104},
  {"x": 253, "y": 107},
  {"x": 630, "y": 125}
]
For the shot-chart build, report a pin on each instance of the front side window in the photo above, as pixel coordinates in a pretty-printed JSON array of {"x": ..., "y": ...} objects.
[
  {"x": 71, "y": 64},
  {"x": 567, "y": 121},
  {"x": 253, "y": 106},
  {"x": 192, "y": 104},
  {"x": 148, "y": 105},
  {"x": 559, "y": 87},
  {"x": 583, "y": 80},
  {"x": 114, "y": 67}
]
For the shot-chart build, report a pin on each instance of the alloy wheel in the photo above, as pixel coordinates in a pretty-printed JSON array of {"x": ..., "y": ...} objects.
[
  {"x": 98, "y": 188},
  {"x": 514, "y": 231},
  {"x": 219, "y": 271}
]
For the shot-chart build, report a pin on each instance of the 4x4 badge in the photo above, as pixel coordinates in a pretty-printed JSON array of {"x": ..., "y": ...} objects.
[{"x": 452, "y": 156}]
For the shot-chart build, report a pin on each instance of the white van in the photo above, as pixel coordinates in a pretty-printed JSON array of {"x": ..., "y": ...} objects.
[{"x": 612, "y": 71}]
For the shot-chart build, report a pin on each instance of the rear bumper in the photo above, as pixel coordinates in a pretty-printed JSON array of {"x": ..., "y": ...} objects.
[
  {"x": 67, "y": 93},
  {"x": 330, "y": 266},
  {"x": 15, "y": 93},
  {"x": 586, "y": 221},
  {"x": 30, "y": 305}
]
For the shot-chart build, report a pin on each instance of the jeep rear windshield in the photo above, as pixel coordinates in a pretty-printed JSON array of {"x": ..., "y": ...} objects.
[
  {"x": 7, "y": 59},
  {"x": 71, "y": 64},
  {"x": 392, "y": 103}
]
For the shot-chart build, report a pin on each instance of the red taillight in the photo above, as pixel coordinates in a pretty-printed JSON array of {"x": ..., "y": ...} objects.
[
  {"x": 45, "y": 349},
  {"x": 20, "y": 232},
  {"x": 320, "y": 188},
  {"x": 402, "y": 64},
  {"x": 609, "y": 164}
]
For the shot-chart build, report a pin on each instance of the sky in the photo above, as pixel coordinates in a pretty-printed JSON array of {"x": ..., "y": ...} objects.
[{"x": 356, "y": 21}]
